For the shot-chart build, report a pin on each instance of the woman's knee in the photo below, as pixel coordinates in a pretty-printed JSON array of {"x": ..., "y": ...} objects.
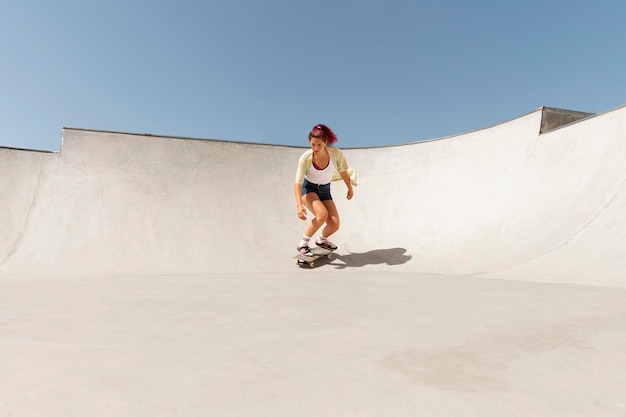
[
  {"x": 333, "y": 222},
  {"x": 321, "y": 214}
]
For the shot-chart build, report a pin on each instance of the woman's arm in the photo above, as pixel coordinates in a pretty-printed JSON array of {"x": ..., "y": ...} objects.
[
  {"x": 346, "y": 178},
  {"x": 297, "y": 191}
]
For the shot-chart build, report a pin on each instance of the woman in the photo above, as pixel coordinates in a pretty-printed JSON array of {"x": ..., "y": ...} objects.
[{"x": 317, "y": 167}]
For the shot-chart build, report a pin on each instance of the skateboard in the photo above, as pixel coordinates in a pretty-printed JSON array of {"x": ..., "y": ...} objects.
[{"x": 317, "y": 253}]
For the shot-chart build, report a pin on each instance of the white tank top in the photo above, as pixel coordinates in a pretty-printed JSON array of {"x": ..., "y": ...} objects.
[{"x": 323, "y": 176}]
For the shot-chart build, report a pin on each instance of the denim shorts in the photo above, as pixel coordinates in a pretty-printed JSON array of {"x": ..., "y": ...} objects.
[{"x": 322, "y": 190}]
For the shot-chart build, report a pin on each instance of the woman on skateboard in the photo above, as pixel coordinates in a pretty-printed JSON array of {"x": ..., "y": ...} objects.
[{"x": 317, "y": 167}]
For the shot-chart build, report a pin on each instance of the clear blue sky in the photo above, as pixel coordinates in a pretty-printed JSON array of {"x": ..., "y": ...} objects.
[{"x": 378, "y": 72}]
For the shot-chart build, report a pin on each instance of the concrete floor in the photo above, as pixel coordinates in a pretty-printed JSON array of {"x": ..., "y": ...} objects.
[{"x": 310, "y": 343}]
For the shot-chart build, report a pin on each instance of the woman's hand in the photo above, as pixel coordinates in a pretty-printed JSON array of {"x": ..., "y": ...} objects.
[
  {"x": 346, "y": 179},
  {"x": 301, "y": 213}
]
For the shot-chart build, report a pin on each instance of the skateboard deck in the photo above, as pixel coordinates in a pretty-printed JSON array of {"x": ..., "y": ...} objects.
[{"x": 317, "y": 253}]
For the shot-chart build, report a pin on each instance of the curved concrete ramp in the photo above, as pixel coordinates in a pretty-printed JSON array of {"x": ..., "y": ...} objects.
[
  {"x": 502, "y": 202},
  {"x": 152, "y": 276}
]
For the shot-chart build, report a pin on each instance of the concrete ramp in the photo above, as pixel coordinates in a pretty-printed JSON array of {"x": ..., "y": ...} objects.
[
  {"x": 119, "y": 204},
  {"x": 478, "y": 275},
  {"x": 505, "y": 202}
]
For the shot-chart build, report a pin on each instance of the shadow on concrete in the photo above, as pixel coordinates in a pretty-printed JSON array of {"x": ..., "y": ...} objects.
[{"x": 393, "y": 256}]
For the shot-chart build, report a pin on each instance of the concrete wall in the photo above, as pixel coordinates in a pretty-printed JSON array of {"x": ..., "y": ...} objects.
[{"x": 505, "y": 202}]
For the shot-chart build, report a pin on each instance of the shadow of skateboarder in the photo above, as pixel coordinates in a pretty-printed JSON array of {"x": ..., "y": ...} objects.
[{"x": 393, "y": 256}]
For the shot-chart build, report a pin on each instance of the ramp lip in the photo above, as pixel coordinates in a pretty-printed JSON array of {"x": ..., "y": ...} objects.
[
  {"x": 415, "y": 142},
  {"x": 78, "y": 129},
  {"x": 27, "y": 150},
  {"x": 396, "y": 145}
]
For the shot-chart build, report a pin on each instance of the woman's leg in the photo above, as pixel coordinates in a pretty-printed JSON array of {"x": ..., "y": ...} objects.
[
  {"x": 332, "y": 219},
  {"x": 318, "y": 208}
]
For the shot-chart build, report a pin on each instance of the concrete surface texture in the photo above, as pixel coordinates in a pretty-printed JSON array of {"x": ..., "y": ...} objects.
[{"x": 479, "y": 274}]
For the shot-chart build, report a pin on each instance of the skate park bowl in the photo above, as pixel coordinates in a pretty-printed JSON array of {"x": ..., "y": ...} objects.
[{"x": 477, "y": 274}]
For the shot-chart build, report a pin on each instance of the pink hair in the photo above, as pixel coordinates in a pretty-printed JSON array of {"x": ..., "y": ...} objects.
[{"x": 323, "y": 132}]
